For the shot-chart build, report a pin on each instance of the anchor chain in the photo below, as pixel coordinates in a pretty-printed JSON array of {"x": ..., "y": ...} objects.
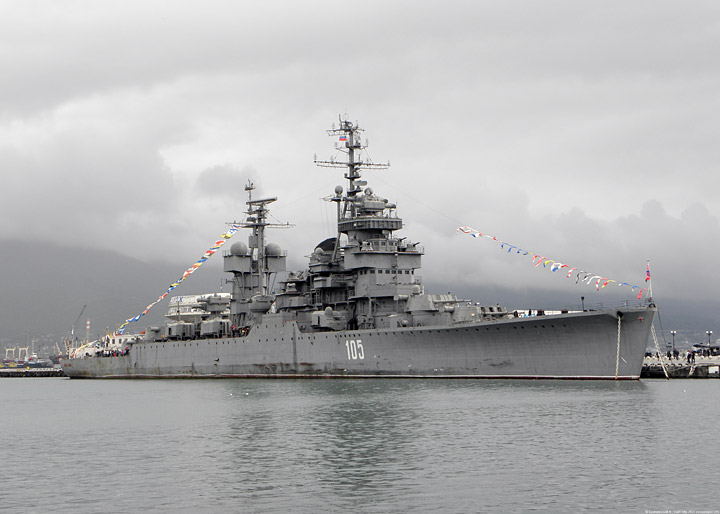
[
  {"x": 617, "y": 357},
  {"x": 659, "y": 353}
]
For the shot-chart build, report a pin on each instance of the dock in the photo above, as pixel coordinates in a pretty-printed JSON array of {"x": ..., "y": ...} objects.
[
  {"x": 702, "y": 368},
  {"x": 31, "y": 372}
]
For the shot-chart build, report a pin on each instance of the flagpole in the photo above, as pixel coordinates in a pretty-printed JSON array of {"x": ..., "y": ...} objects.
[{"x": 649, "y": 283}]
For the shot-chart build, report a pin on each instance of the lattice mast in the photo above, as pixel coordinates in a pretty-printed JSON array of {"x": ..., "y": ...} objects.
[{"x": 349, "y": 142}]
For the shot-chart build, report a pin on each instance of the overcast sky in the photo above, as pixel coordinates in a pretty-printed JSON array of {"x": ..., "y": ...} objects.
[{"x": 583, "y": 131}]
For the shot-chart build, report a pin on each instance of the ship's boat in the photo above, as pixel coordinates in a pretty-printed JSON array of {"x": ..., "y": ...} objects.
[{"x": 360, "y": 310}]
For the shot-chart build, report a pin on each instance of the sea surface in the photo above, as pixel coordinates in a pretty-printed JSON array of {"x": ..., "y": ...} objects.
[{"x": 364, "y": 445}]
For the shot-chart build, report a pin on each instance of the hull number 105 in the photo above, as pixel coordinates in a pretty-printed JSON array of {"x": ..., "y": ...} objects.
[{"x": 355, "y": 349}]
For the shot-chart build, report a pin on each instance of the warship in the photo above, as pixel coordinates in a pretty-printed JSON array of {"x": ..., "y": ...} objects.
[{"x": 360, "y": 310}]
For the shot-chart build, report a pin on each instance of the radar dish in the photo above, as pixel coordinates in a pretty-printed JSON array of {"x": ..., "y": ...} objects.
[
  {"x": 239, "y": 248},
  {"x": 328, "y": 245},
  {"x": 273, "y": 250}
]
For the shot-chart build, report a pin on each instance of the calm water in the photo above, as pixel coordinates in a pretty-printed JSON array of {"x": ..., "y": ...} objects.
[{"x": 358, "y": 446}]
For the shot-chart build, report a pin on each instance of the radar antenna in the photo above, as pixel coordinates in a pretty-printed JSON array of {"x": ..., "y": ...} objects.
[
  {"x": 349, "y": 142},
  {"x": 257, "y": 213},
  {"x": 351, "y": 205}
]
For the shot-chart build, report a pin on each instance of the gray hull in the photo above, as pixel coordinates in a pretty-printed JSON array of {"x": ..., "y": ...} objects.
[{"x": 580, "y": 345}]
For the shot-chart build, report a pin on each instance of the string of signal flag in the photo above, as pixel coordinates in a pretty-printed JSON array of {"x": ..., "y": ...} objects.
[
  {"x": 581, "y": 276},
  {"x": 208, "y": 253}
]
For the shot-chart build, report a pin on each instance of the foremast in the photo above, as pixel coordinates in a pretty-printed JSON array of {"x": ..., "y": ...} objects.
[
  {"x": 355, "y": 209},
  {"x": 370, "y": 274},
  {"x": 350, "y": 143},
  {"x": 364, "y": 278}
]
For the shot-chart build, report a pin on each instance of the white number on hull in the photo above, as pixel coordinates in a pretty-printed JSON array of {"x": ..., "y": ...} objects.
[{"x": 355, "y": 350}]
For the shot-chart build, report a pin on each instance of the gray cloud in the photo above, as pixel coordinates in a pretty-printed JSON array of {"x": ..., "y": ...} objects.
[
  {"x": 225, "y": 180},
  {"x": 585, "y": 132}
]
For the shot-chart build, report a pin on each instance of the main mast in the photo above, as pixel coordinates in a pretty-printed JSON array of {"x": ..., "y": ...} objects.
[
  {"x": 252, "y": 264},
  {"x": 257, "y": 221}
]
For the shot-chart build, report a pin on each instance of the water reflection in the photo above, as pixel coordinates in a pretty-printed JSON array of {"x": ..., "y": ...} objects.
[
  {"x": 385, "y": 441},
  {"x": 358, "y": 445},
  {"x": 337, "y": 438}
]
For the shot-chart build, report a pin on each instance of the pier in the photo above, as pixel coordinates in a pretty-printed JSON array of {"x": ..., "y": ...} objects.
[
  {"x": 702, "y": 368},
  {"x": 31, "y": 372}
]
